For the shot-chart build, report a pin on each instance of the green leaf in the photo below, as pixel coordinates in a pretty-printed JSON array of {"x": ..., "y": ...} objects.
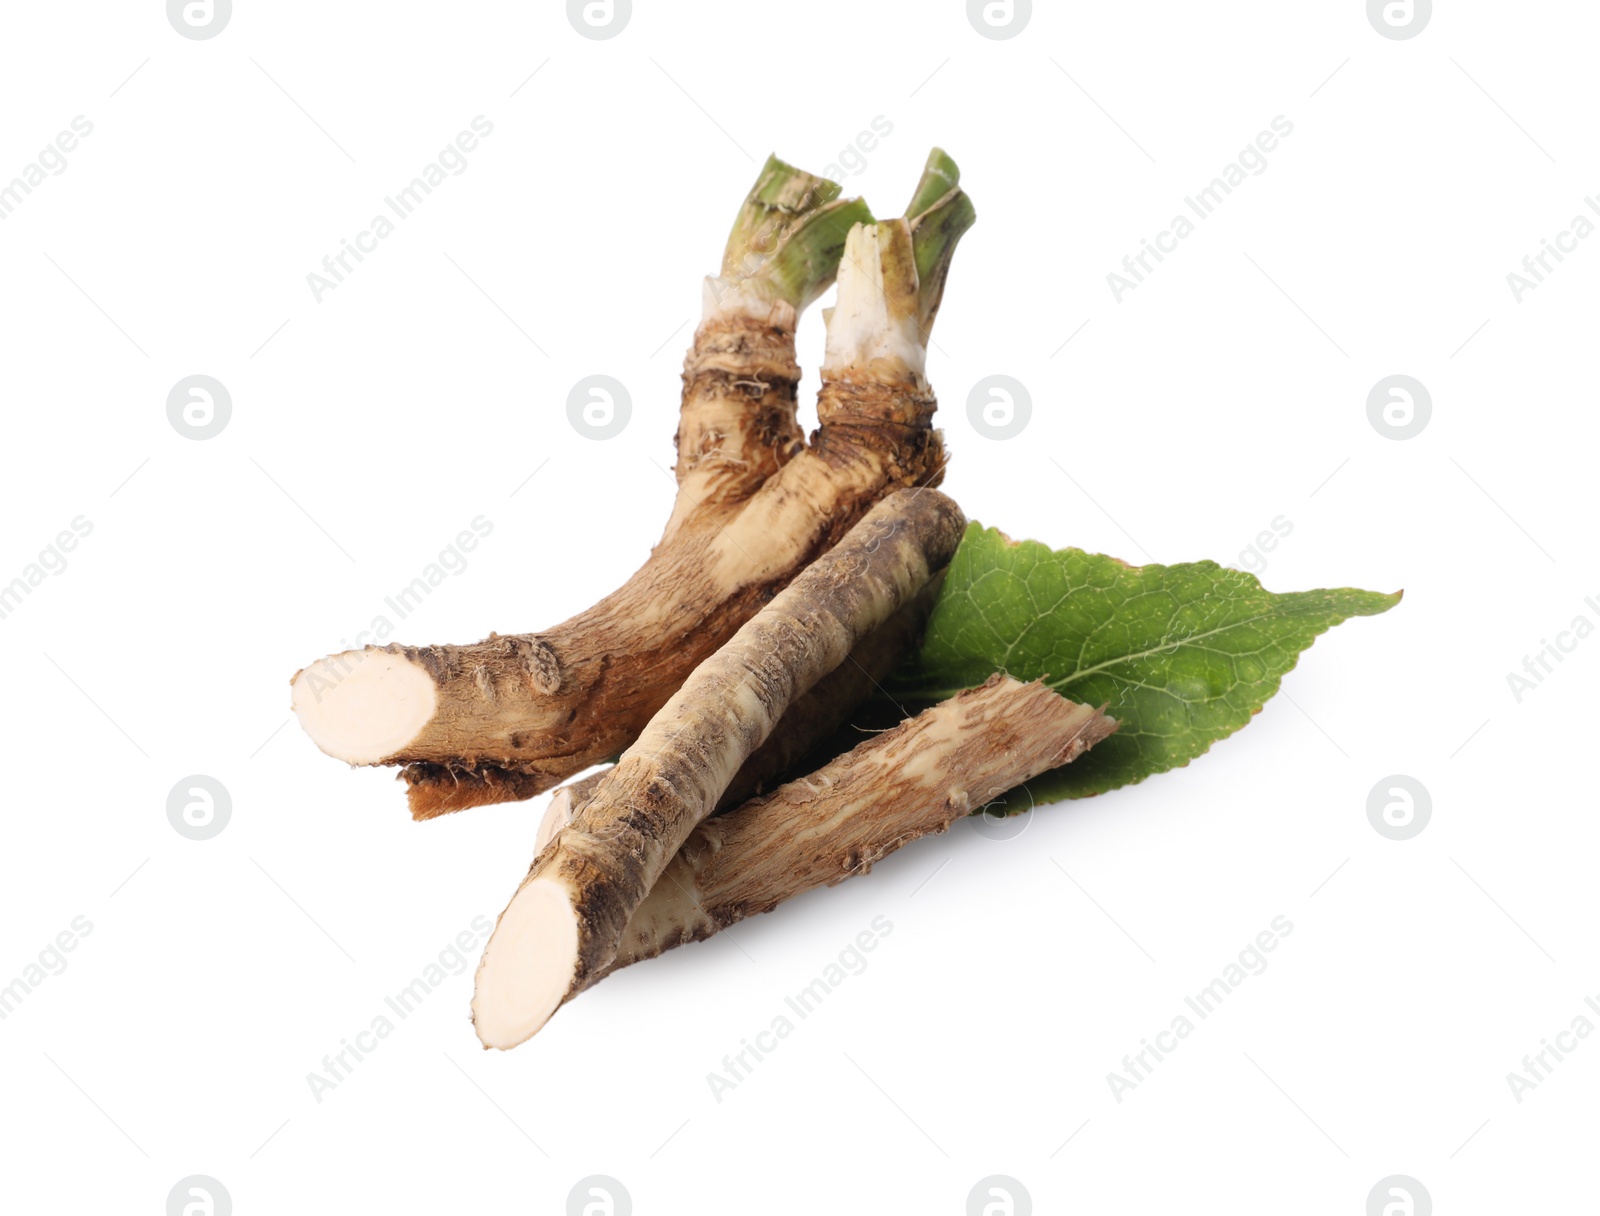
[{"x": 1182, "y": 655}]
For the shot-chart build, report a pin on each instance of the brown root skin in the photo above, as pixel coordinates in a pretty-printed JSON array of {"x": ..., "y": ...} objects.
[
  {"x": 564, "y": 924},
  {"x": 838, "y": 822},
  {"x": 622, "y": 659},
  {"x": 546, "y": 705},
  {"x": 810, "y": 721},
  {"x": 516, "y": 715},
  {"x": 437, "y": 789},
  {"x": 738, "y": 425}
]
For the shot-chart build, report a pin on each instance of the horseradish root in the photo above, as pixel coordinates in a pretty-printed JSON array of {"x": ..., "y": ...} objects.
[
  {"x": 515, "y": 715},
  {"x": 809, "y": 722},
  {"x": 800, "y": 586},
  {"x": 564, "y": 924},
  {"x": 821, "y": 829},
  {"x": 546, "y": 705}
]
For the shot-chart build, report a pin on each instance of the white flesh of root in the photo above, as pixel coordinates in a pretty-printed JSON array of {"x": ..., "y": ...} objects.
[
  {"x": 535, "y": 948},
  {"x": 364, "y": 704},
  {"x": 875, "y": 320}
]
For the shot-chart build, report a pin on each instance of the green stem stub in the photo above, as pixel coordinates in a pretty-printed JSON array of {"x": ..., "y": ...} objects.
[
  {"x": 804, "y": 264},
  {"x": 939, "y": 176},
  {"x": 785, "y": 243},
  {"x": 781, "y": 195},
  {"x": 940, "y": 213}
]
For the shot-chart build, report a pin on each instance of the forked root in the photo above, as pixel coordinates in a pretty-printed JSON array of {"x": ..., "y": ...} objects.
[
  {"x": 546, "y": 705},
  {"x": 517, "y": 714},
  {"x": 565, "y": 923}
]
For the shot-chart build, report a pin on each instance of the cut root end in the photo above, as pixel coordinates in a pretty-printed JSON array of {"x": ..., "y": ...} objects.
[
  {"x": 529, "y": 965},
  {"x": 363, "y": 706}
]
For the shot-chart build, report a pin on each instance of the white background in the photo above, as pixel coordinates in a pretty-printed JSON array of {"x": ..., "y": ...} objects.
[{"x": 368, "y": 429}]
